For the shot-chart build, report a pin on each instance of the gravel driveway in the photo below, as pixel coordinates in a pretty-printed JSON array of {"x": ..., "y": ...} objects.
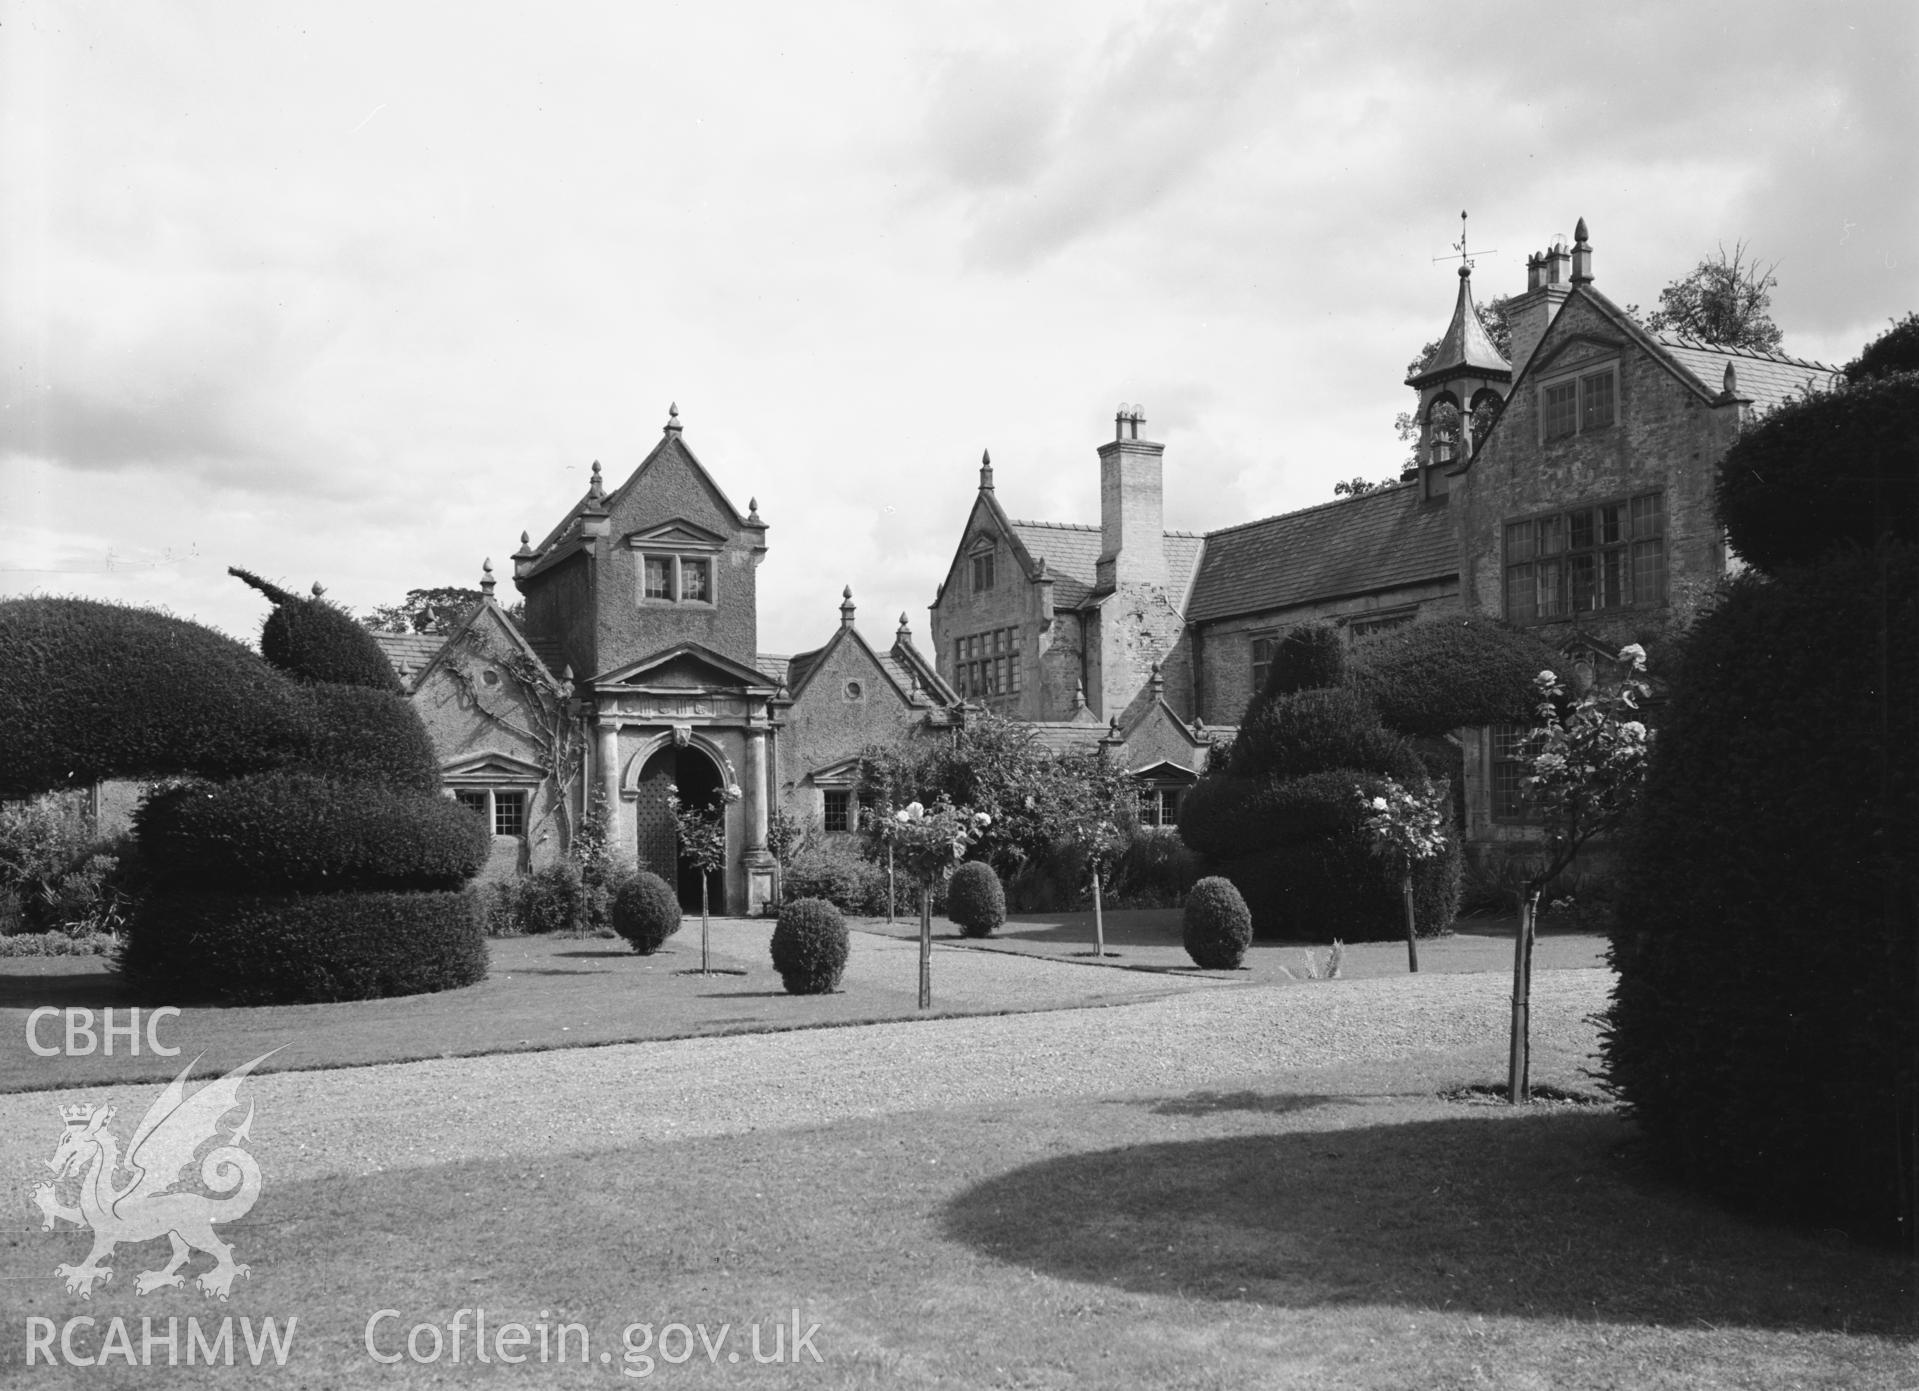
[{"x": 364, "y": 1119}]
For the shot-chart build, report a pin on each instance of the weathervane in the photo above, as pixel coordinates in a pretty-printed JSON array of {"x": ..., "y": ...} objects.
[{"x": 1460, "y": 247}]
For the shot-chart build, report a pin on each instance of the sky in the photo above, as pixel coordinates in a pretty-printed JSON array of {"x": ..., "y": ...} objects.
[{"x": 356, "y": 293}]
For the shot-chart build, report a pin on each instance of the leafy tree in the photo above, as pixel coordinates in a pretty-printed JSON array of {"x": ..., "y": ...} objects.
[
  {"x": 435, "y": 611},
  {"x": 1724, "y": 300},
  {"x": 1359, "y": 487},
  {"x": 1588, "y": 761},
  {"x": 702, "y": 837}
]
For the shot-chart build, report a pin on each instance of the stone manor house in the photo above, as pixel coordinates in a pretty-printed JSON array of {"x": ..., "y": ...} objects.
[{"x": 1584, "y": 509}]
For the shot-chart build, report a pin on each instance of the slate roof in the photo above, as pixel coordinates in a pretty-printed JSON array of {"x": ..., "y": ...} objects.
[
  {"x": 1356, "y": 545},
  {"x": 1062, "y": 736},
  {"x": 772, "y": 665},
  {"x": 1768, "y": 379},
  {"x": 1071, "y": 551},
  {"x": 409, "y": 653},
  {"x": 1466, "y": 346}
]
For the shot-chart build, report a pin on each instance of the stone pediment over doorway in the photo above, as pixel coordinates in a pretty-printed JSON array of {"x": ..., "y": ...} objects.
[{"x": 688, "y": 667}]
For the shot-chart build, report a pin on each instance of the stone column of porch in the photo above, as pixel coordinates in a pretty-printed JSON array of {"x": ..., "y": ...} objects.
[
  {"x": 761, "y": 868},
  {"x": 606, "y": 758}
]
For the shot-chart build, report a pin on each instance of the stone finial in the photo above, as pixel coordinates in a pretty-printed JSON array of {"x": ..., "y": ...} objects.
[
  {"x": 985, "y": 471},
  {"x": 753, "y": 512},
  {"x": 1156, "y": 683},
  {"x": 673, "y": 418},
  {"x": 905, "y": 633},
  {"x": 526, "y": 548},
  {"x": 1730, "y": 387},
  {"x": 1079, "y": 696},
  {"x": 319, "y": 590},
  {"x": 1112, "y": 727},
  {"x": 596, "y": 488},
  {"x": 486, "y": 577},
  {"x": 1582, "y": 255},
  {"x": 846, "y": 607}
]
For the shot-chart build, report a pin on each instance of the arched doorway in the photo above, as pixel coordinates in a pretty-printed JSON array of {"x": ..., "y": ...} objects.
[{"x": 699, "y": 781}]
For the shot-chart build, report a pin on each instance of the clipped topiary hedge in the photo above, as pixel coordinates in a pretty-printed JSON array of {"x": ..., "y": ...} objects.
[
  {"x": 1762, "y": 1029},
  {"x": 646, "y": 911},
  {"x": 1216, "y": 926},
  {"x": 975, "y": 901},
  {"x": 1310, "y": 657},
  {"x": 252, "y": 949},
  {"x": 91, "y": 691},
  {"x": 1837, "y": 469},
  {"x": 300, "y": 833},
  {"x": 369, "y": 736},
  {"x": 1281, "y": 819},
  {"x": 1290, "y": 736},
  {"x": 1441, "y": 674},
  {"x": 1334, "y": 886},
  {"x": 313, "y": 640},
  {"x": 810, "y": 947}
]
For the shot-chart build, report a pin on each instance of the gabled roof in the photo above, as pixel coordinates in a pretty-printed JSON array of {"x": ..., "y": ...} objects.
[
  {"x": 911, "y": 675},
  {"x": 557, "y": 543},
  {"x": 772, "y": 665},
  {"x": 1071, "y": 551},
  {"x": 735, "y": 673},
  {"x": 1766, "y": 379},
  {"x": 415, "y": 655},
  {"x": 1358, "y": 545},
  {"x": 1466, "y": 347},
  {"x": 409, "y": 653},
  {"x": 912, "y": 662}
]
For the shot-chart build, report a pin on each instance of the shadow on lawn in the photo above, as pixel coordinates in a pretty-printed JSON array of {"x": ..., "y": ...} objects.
[
  {"x": 1530, "y": 1216},
  {"x": 1211, "y": 1103}
]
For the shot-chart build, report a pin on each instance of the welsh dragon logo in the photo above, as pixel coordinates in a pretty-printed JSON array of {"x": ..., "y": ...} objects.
[{"x": 145, "y": 1205}]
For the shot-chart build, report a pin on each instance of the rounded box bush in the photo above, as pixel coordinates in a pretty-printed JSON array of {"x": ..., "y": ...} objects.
[
  {"x": 810, "y": 947},
  {"x": 646, "y": 911},
  {"x": 300, "y": 833},
  {"x": 255, "y": 949},
  {"x": 975, "y": 902},
  {"x": 1216, "y": 926}
]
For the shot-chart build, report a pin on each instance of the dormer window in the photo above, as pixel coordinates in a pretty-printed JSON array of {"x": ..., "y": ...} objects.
[{"x": 1573, "y": 405}]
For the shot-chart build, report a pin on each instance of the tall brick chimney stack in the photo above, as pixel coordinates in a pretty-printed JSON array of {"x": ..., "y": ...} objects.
[
  {"x": 1550, "y": 277},
  {"x": 1131, "y": 508}
]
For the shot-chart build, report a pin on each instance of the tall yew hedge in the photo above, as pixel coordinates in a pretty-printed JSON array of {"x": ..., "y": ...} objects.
[{"x": 1762, "y": 1029}]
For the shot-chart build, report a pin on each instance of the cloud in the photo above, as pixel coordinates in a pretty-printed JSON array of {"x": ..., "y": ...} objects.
[{"x": 1046, "y": 148}]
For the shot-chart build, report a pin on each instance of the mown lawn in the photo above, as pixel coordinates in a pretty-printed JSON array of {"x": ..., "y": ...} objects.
[
  {"x": 569, "y": 992},
  {"x": 1329, "y": 1229},
  {"x": 543, "y": 992}
]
